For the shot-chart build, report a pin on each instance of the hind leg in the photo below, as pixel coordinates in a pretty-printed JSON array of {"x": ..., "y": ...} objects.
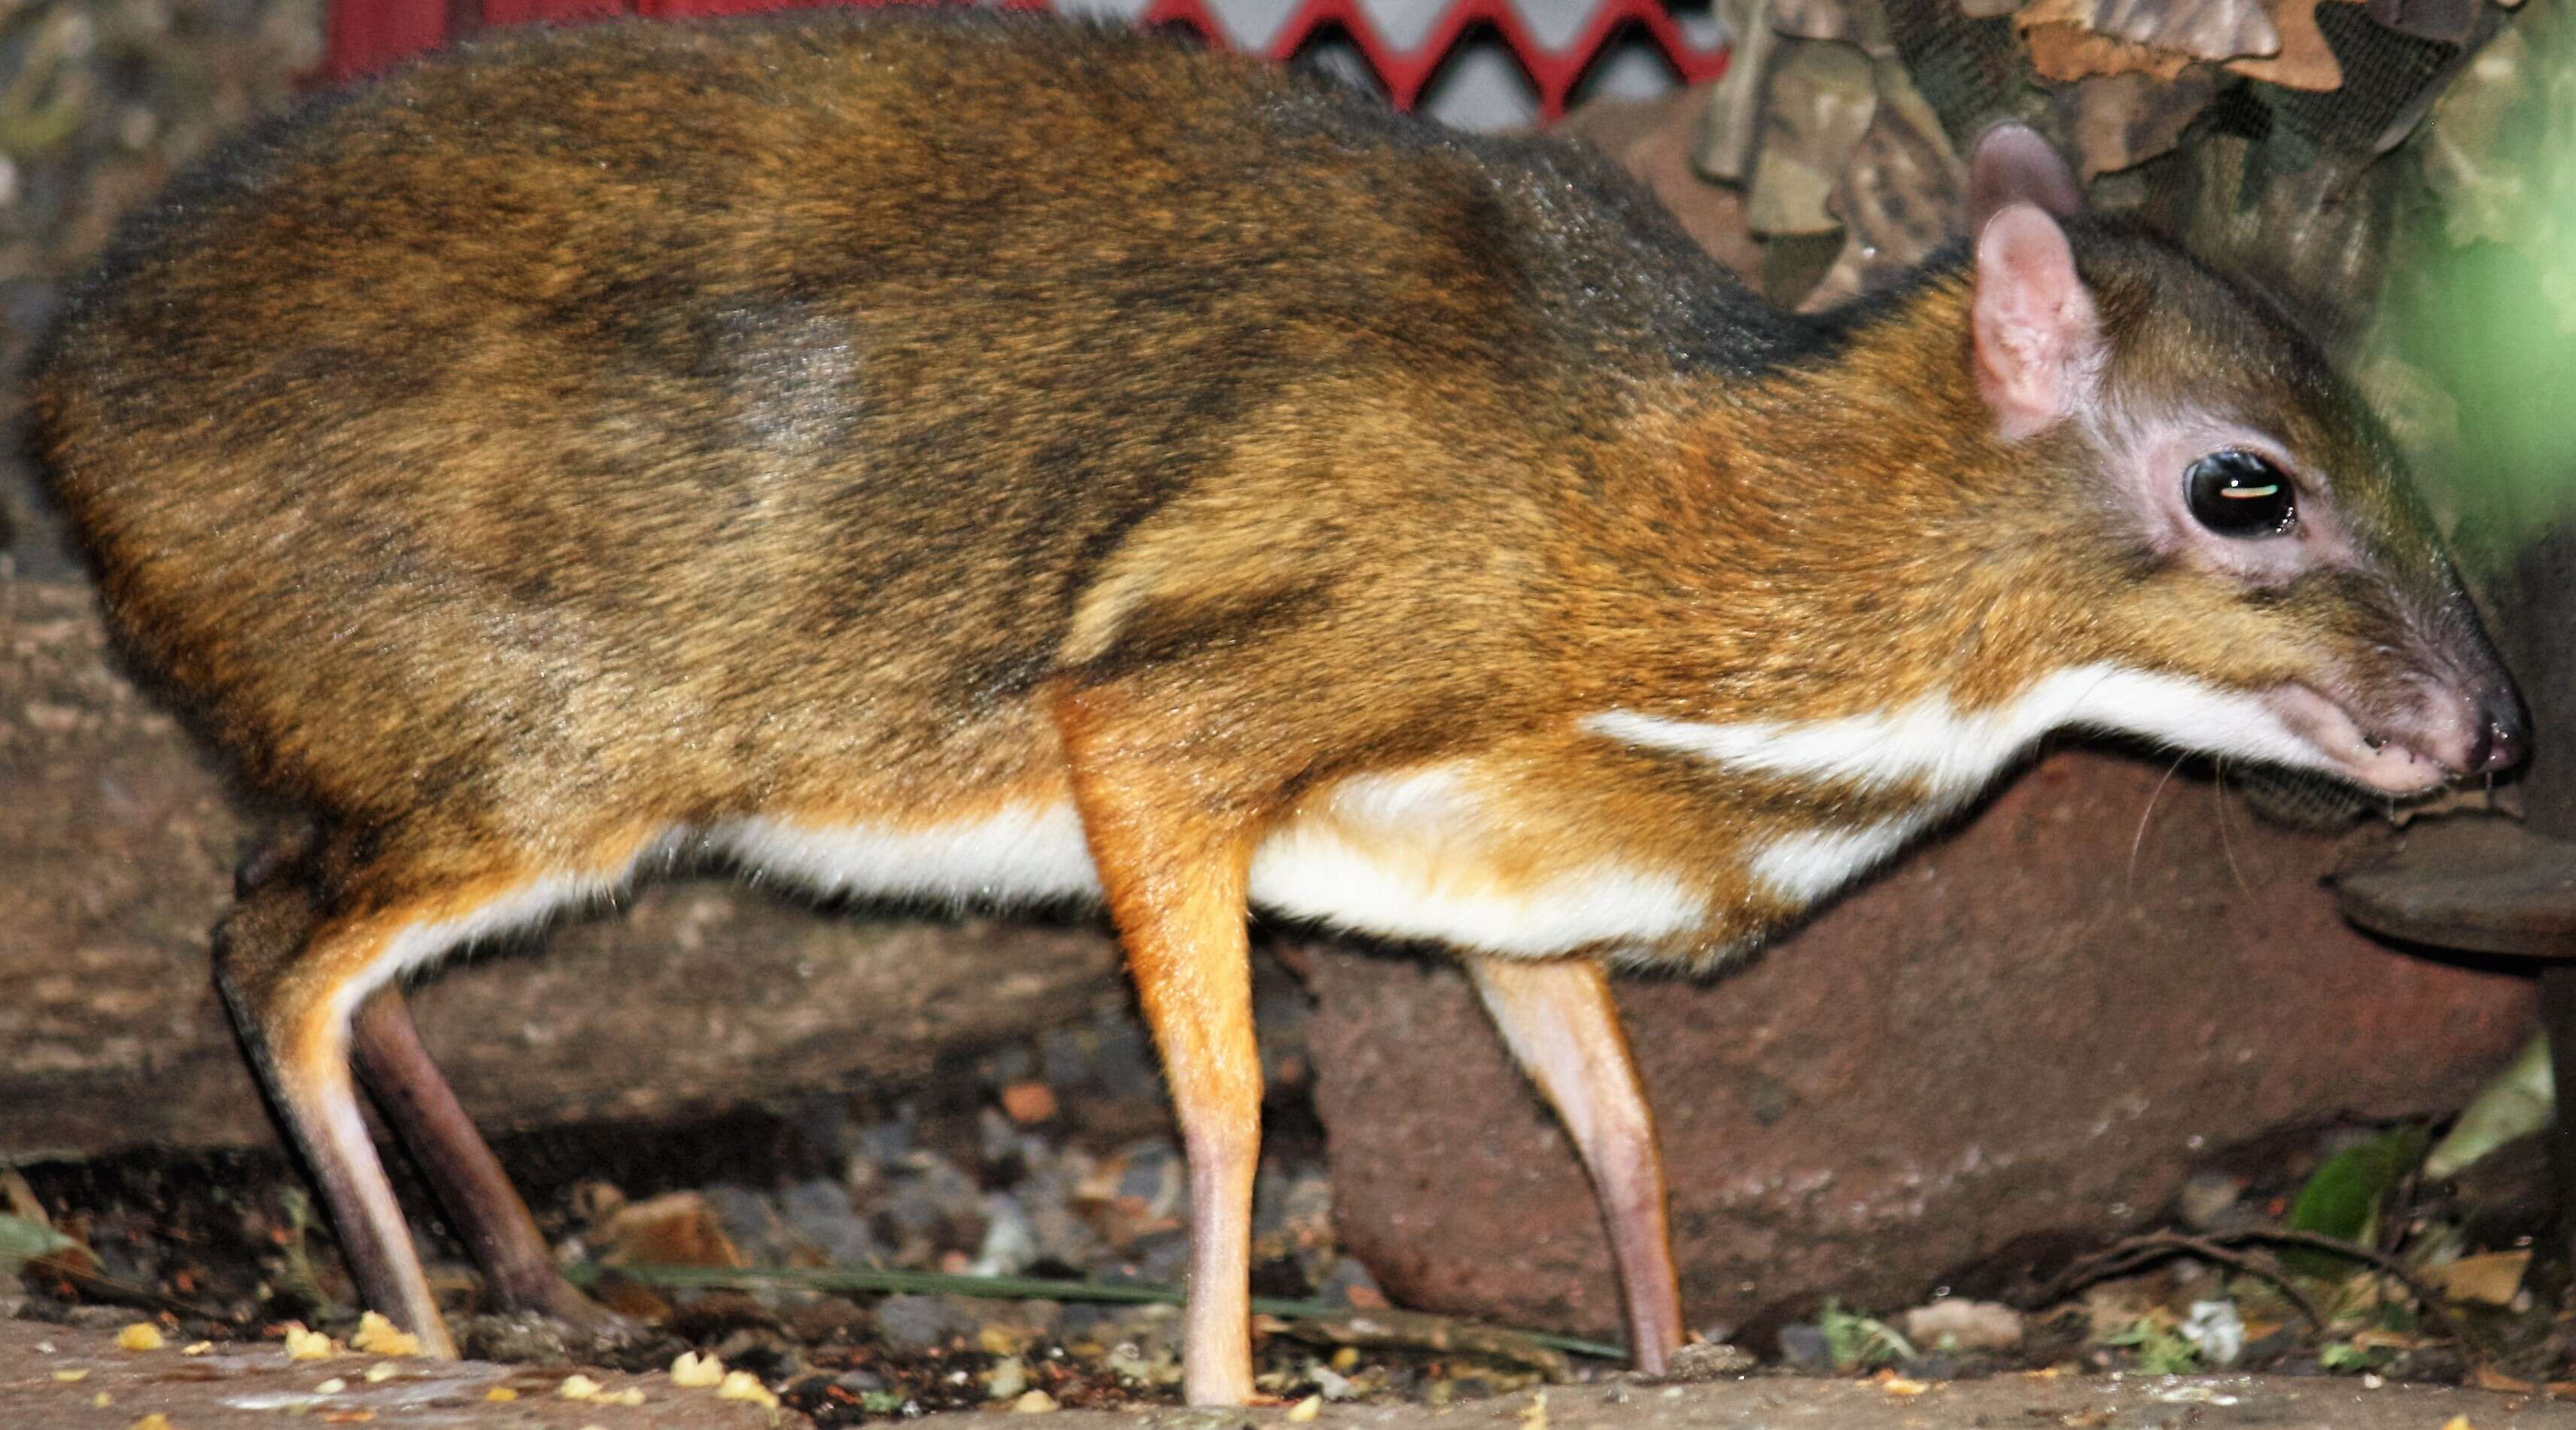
[
  {"x": 518, "y": 1267},
  {"x": 295, "y": 971},
  {"x": 289, "y": 972}
]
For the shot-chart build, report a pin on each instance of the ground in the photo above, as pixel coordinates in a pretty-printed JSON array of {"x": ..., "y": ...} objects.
[{"x": 77, "y": 1379}]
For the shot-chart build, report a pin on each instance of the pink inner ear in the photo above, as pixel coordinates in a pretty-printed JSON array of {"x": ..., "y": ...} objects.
[{"x": 2037, "y": 340}]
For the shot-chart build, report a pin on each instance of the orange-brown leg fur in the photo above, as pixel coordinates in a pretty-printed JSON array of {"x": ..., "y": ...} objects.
[
  {"x": 1175, "y": 876},
  {"x": 486, "y": 1210},
  {"x": 1558, "y": 1020}
]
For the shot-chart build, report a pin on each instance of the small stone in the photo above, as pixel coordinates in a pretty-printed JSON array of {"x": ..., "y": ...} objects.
[
  {"x": 921, "y": 1323},
  {"x": 1805, "y": 1347},
  {"x": 1706, "y": 1360},
  {"x": 381, "y": 1372},
  {"x": 141, "y": 1336},
  {"x": 1029, "y": 1103},
  {"x": 1008, "y": 1377},
  {"x": 333, "y": 1386},
  {"x": 1955, "y": 1324}
]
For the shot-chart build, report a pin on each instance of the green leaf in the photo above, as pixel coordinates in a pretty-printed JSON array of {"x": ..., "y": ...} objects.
[
  {"x": 22, "y": 1241},
  {"x": 2342, "y": 1198},
  {"x": 2519, "y": 1102}
]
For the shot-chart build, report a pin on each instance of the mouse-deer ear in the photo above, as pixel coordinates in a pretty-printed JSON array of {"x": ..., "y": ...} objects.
[
  {"x": 2013, "y": 165},
  {"x": 2038, "y": 340}
]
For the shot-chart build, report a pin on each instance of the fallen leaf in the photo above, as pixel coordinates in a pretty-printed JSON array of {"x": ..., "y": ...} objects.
[
  {"x": 2490, "y": 1279},
  {"x": 2203, "y": 29},
  {"x": 2487, "y": 1377},
  {"x": 2068, "y": 52},
  {"x": 2305, "y": 60}
]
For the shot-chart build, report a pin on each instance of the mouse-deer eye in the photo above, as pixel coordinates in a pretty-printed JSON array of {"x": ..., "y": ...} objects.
[{"x": 2241, "y": 494}]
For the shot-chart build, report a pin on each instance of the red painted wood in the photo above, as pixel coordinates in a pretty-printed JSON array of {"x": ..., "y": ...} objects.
[{"x": 367, "y": 35}]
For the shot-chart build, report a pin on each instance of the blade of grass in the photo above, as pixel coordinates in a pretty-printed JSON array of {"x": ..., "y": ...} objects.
[{"x": 1008, "y": 1288}]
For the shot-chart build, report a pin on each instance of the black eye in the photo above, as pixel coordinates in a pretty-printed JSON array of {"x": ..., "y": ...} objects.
[{"x": 2237, "y": 493}]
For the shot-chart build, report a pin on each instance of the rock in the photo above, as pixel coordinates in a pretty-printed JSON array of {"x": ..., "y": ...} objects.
[
  {"x": 1955, "y": 1324},
  {"x": 2016, "y": 1034},
  {"x": 923, "y": 1323}
]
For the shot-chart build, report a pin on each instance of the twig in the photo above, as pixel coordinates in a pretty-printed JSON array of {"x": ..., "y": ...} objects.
[
  {"x": 2138, "y": 1251},
  {"x": 1436, "y": 1332}
]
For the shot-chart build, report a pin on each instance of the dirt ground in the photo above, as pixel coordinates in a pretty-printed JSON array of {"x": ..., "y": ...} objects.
[{"x": 77, "y": 1379}]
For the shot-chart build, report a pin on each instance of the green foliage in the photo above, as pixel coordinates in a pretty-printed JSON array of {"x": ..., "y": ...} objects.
[
  {"x": 2343, "y": 1197},
  {"x": 2161, "y": 1349},
  {"x": 2343, "y": 1357},
  {"x": 22, "y": 1241},
  {"x": 1858, "y": 1342}
]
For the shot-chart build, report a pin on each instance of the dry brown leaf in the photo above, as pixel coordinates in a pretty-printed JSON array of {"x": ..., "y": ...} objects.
[
  {"x": 2487, "y": 1377},
  {"x": 2305, "y": 60},
  {"x": 2205, "y": 29},
  {"x": 678, "y": 1229},
  {"x": 2491, "y": 1278},
  {"x": 2066, "y": 52}
]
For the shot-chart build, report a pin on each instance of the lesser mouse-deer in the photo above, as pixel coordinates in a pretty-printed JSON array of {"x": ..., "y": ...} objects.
[{"x": 988, "y": 459}]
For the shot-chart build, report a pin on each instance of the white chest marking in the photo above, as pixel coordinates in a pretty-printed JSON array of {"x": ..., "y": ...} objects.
[
  {"x": 1805, "y": 867},
  {"x": 1953, "y": 754},
  {"x": 1400, "y": 856}
]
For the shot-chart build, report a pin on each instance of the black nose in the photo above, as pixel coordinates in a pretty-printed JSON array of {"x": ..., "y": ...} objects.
[{"x": 2506, "y": 736}]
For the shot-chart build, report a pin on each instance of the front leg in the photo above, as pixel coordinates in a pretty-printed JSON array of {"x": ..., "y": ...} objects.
[
  {"x": 1558, "y": 1020},
  {"x": 1175, "y": 874}
]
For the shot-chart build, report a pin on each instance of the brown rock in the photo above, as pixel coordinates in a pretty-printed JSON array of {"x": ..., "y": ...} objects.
[{"x": 2030, "y": 1030}]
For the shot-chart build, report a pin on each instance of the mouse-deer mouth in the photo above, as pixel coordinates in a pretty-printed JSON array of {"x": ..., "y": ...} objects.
[{"x": 2432, "y": 746}]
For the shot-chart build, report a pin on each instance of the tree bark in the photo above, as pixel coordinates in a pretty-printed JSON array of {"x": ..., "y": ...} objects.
[{"x": 118, "y": 838}]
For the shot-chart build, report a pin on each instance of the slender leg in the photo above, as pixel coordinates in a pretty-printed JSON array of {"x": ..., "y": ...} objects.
[
  {"x": 284, "y": 969},
  {"x": 518, "y": 1268},
  {"x": 1558, "y": 1020},
  {"x": 1176, "y": 888}
]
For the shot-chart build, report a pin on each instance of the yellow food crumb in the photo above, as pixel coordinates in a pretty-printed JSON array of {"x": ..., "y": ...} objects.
[
  {"x": 2458, "y": 1422},
  {"x": 500, "y": 1392},
  {"x": 1304, "y": 1410},
  {"x": 302, "y": 1344},
  {"x": 743, "y": 1385},
  {"x": 1903, "y": 1385},
  {"x": 197, "y": 1348},
  {"x": 1036, "y": 1402},
  {"x": 154, "y": 1421},
  {"x": 68, "y": 1376},
  {"x": 141, "y": 1336},
  {"x": 333, "y": 1386},
  {"x": 378, "y": 1336},
  {"x": 693, "y": 1369},
  {"x": 1534, "y": 1416},
  {"x": 579, "y": 1387},
  {"x": 381, "y": 1372},
  {"x": 1345, "y": 1358},
  {"x": 100, "y": 1401}
]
